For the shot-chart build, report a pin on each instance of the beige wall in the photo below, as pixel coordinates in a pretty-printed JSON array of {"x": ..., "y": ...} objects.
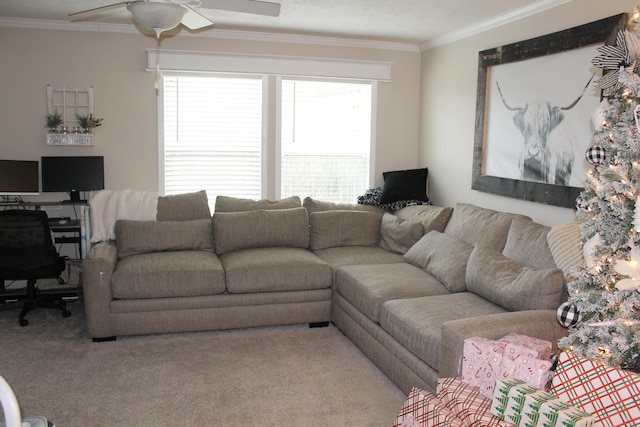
[
  {"x": 114, "y": 64},
  {"x": 449, "y": 81}
]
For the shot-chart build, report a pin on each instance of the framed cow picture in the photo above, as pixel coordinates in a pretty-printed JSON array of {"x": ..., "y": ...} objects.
[{"x": 534, "y": 105}]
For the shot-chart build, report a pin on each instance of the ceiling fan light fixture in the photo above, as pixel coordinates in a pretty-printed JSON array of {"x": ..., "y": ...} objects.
[{"x": 155, "y": 16}]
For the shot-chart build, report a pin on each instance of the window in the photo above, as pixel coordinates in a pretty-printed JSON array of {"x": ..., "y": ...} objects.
[
  {"x": 325, "y": 139},
  {"x": 213, "y": 128},
  {"x": 213, "y": 135}
]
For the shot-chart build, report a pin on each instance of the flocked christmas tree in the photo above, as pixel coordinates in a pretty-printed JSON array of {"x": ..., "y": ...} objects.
[{"x": 605, "y": 297}]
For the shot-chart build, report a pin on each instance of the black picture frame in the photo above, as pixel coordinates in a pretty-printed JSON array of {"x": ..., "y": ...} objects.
[{"x": 599, "y": 32}]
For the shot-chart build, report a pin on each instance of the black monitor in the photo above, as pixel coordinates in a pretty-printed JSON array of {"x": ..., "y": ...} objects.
[
  {"x": 19, "y": 177},
  {"x": 72, "y": 175}
]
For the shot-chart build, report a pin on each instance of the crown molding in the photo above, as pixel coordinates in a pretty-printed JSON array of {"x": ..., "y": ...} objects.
[
  {"x": 44, "y": 24},
  {"x": 505, "y": 18},
  {"x": 512, "y": 16}
]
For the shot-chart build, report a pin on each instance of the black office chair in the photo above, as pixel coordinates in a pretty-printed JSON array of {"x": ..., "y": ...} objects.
[{"x": 27, "y": 253}]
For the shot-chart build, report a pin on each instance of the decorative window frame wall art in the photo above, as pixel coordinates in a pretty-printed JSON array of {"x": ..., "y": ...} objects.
[{"x": 526, "y": 87}]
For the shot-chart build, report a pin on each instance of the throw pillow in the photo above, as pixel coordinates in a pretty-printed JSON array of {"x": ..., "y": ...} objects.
[
  {"x": 398, "y": 235},
  {"x": 511, "y": 284},
  {"x": 183, "y": 207},
  {"x": 331, "y": 229},
  {"x": 527, "y": 243},
  {"x": 431, "y": 217},
  {"x": 261, "y": 229},
  {"x": 410, "y": 184},
  {"x": 442, "y": 256},
  {"x": 235, "y": 204},
  {"x": 137, "y": 237}
]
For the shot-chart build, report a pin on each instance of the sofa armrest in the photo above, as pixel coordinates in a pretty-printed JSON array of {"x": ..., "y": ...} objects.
[
  {"x": 97, "y": 270},
  {"x": 540, "y": 324}
]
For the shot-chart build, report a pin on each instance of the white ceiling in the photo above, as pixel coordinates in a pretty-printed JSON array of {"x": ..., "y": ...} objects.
[{"x": 417, "y": 22}]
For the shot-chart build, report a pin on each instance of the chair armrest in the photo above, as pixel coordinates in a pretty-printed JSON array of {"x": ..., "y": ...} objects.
[
  {"x": 541, "y": 324},
  {"x": 97, "y": 270}
]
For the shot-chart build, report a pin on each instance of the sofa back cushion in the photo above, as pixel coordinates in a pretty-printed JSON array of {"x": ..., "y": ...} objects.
[
  {"x": 397, "y": 234},
  {"x": 527, "y": 243},
  {"x": 511, "y": 284},
  {"x": 260, "y": 229},
  {"x": 431, "y": 217},
  {"x": 480, "y": 226},
  {"x": 314, "y": 205},
  {"x": 183, "y": 207},
  {"x": 344, "y": 228},
  {"x": 137, "y": 237},
  {"x": 235, "y": 204},
  {"x": 442, "y": 256}
]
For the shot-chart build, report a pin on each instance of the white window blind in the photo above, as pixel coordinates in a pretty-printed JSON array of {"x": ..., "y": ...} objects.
[
  {"x": 213, "y": 135},
  {"x": 325, "y": 139}
]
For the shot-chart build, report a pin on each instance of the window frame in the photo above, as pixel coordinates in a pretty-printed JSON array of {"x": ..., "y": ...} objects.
[{"x": 271, "y": 125}]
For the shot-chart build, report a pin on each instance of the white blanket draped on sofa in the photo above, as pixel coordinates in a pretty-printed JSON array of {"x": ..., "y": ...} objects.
[{"x": 108, "y": 206}]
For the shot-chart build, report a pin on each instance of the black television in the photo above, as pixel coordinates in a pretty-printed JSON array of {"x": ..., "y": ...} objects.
[
  {"x": 19, "y": 177},
  {"x": 72, "y": 175}
]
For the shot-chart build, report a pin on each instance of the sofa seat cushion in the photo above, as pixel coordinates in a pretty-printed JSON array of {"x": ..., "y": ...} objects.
[
  {"x": 355, "y": 255},
  {"x": 416, "y": 322},
  {"x": 275, "y": 269},
  {"x": 367, "y": 287},
  {"x": 168, "y": 275}
]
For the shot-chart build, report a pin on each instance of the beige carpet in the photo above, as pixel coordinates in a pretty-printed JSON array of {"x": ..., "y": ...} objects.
[{"x": 277, "y": 376}]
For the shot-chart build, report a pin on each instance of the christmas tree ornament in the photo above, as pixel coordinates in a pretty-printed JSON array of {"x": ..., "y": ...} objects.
[
  {"x": 589, "y": 250},
  {"x": 630, "y": 268},
  {"x": 569, "y": 315},
  {"x": 618, "y": 59},
  {"x": 596, "y": 155}
]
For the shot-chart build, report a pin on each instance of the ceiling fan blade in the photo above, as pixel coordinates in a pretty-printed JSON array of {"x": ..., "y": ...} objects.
[
  {"x": 246, "y": 6},
  {"x": 90, "y": 13},
  {"x": 194, "y": 20}
]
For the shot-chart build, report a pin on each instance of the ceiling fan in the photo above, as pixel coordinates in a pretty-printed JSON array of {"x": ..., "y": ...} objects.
[{"x": 163, "y": 15}]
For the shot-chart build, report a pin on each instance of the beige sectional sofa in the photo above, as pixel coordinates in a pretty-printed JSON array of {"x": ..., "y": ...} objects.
[{"x": 406, "y": 287}]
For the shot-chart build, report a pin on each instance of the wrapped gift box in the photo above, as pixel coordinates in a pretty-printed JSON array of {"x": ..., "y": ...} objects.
[
  {"x": 520, "y": 404},
  {"x": 518, "y": 345},
  {"x": 500, "y": 397},
  {"x": 467, "y": 403},
  {"x": 481, "y": 359},
  {"x": 423, "y": 409},
  {"x": 556, "y": 413},
  {"x": 533, "y": 371},
  {"x": 485, "y": 361},
  {"x": 515, "y": 403},
  {"x": 611, "y": 395}
]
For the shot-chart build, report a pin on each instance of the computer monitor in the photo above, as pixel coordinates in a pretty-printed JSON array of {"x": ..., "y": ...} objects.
[
  {"x": 19, "y": 177},
  {"x": 72, "y": 175}
]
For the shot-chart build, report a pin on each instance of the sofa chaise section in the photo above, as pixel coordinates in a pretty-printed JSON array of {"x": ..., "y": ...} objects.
[{"x": 496, "y": 275}]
